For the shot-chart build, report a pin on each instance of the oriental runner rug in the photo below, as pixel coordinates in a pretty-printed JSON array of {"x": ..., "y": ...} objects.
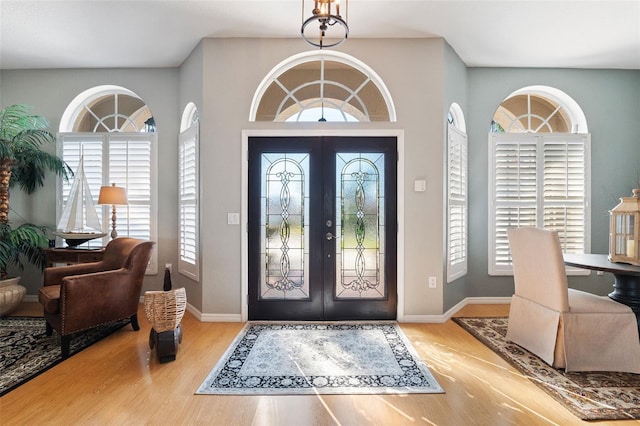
[
  {"x": 26, "y": 351},
  {"x": 320, "y": 358},
  {"x": 588, "y": 395}
]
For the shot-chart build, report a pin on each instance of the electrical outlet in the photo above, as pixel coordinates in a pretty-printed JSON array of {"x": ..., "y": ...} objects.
[
  {"x": 169, "y": 267},
  {"x": 433, "y": 283}
]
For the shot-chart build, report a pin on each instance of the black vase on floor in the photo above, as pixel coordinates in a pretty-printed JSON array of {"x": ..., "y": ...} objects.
[{"x": 167, "y": 280}]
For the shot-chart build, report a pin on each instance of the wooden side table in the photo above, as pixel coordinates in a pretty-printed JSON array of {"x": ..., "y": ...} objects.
[{"x": 70, "y": 256}]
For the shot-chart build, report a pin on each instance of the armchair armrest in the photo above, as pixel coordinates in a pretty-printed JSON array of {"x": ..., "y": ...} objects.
[
  {"x": 54, "y": 275},
  {"x": 111, "y": 293}
]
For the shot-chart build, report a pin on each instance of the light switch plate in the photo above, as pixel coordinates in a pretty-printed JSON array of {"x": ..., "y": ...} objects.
[
  {"x": 433, "y": 282},
  {"x": 233, "y": 218}
]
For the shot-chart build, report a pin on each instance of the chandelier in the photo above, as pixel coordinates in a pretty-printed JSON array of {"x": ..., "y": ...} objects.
[{"x": 327, "y": 14}]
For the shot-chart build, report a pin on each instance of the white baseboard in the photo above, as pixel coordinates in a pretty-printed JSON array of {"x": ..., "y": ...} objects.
[
  {"x": 438, "y": 319},
  {"x": 213, "y": 317},
  {"x": 435, "y": 319}
]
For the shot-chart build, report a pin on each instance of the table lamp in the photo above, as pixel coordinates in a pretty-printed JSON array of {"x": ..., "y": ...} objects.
[{"x": 113, "y": 195}]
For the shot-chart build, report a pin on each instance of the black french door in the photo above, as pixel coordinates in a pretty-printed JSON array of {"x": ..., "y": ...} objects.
[{"x": 322, "y": 228}]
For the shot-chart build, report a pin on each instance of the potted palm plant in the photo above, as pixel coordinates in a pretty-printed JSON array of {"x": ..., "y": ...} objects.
[{"x": 24, "y": 163}]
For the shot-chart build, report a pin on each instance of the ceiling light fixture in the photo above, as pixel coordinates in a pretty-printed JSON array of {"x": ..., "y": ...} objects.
[{"x": 327, "y": 14}]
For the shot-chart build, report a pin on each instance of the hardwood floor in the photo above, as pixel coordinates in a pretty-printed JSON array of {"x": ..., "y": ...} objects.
[{"x": 118, "y": 381}]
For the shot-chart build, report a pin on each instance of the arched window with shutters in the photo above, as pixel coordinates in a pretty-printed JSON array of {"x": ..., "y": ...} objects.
[
  {"x": 539, "y": 171},
  {"x": 189, "y": 194},
  {"x": 115, "y": 131},
  {"x": 457, "y": 203}
]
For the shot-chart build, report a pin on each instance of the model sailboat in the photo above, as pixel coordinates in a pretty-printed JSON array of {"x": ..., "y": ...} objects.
[{"x": 79, "y": 222}]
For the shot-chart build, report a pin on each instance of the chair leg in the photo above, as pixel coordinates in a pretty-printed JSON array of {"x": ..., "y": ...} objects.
[
  {"x": 134, "y": 322},
  {"x": 66, "y": 345},
  {"x": 48, "y": 330}
]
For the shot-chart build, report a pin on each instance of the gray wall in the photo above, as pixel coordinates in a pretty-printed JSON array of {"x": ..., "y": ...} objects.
[
  {"x": 191, "y": 82},
  {"x": 610, "y": 100},
  {"x": 455, "y": 83},
  {"x": 50, "y": 92},
  {"x": 424, "y": 76},
  {"x": 233, "y": 70}
]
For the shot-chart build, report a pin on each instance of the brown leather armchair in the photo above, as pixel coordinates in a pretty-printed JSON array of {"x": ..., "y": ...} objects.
[{"x": 82, "y": 296}]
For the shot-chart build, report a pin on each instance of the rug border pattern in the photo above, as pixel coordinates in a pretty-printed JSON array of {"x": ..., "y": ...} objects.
[
  {"x": 231, "y": 384},
  {"x": 613, "y": 413},
  {"x": 51, "y": 355}
]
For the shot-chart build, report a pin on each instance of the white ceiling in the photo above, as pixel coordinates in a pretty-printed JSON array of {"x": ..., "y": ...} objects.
[{"x": 162, "y": 33}]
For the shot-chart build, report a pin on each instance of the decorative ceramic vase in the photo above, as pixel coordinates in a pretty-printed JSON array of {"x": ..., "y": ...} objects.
[{"x": 11, "y": 295}]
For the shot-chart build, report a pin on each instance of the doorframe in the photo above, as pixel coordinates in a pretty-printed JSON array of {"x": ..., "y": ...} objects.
[{"x": 244, "y": 239}]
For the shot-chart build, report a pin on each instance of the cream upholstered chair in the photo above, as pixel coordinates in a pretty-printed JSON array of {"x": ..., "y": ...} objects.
[{"x": 567, "y": 328}]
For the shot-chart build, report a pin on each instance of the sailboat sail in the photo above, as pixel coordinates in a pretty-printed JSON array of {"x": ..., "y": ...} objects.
[{"x": 79, "y": 219}]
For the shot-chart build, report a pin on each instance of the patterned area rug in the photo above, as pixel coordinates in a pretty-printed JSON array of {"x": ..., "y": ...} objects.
[
  {"x": 25, "y": 350},
  {"x": 320, "y": 358},
  {"x": 590, "y": 396}
]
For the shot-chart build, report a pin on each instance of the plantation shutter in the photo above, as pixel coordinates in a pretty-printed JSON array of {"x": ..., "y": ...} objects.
[
  {"x": 565, "y": 191},
  {"x": 537, "y": 180},
  {"x": 130, "y": 167},
  {"x": 91, "y": 147},
  {"x": 457, "y": 204},
  {"x": 188, "y": 203},
  {"x": 126, "y": 159}
]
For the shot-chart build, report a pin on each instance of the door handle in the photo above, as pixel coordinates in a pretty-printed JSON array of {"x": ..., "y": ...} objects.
[{"x": 330, "y": 236}]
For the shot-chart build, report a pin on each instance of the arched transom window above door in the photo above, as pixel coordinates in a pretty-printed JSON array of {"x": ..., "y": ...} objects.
[{"x": 322, "y": 86}]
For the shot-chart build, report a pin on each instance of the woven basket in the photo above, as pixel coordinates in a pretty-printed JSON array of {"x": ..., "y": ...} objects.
[{"x": 165, "y": 309}]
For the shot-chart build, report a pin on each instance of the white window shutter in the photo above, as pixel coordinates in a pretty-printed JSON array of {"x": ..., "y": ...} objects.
[
  {"x": 457, "y": 204},
  {"x": 128, "y": 160},
  {"x": 130, "y": 167},
  {"x": 537, "y": 180},
  {"x": 189, "y": 253}
]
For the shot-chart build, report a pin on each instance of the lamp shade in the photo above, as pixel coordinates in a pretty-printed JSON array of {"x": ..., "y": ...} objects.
[{"x": 113, "y": 195}]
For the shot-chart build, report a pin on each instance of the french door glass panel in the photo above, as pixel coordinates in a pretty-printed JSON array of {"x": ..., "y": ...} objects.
[
  {"x": 284, "y": 226},
  {"x": 360, "y": 225}
]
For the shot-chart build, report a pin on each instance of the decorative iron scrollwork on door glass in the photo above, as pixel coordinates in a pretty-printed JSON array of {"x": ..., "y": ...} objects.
[
  {"x": 284, "y": 226},
  {"x": 360, "y": 226}
]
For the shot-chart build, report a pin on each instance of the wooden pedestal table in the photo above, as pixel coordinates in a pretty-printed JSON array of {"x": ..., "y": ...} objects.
[{"x": 626, "y": 285}]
